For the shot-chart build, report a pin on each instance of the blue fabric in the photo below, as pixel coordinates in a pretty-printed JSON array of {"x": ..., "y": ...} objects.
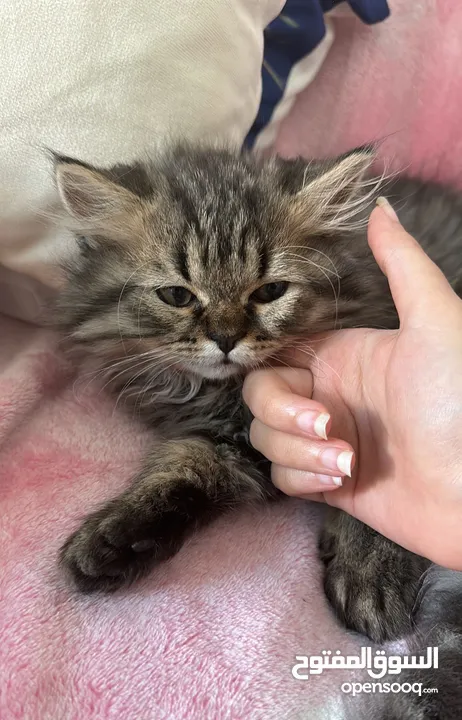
[{"x": 293, "y": 35}]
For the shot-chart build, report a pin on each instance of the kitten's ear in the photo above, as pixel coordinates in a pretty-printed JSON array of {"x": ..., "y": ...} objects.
[
  {"x": 96, "y": 204},
  {"x": 332, "y": 194}
]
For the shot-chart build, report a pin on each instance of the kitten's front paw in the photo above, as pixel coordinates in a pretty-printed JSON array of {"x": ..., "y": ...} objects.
[
  {"x": 373, "y": 595},
  {"x": 101, "y": 555},
  {"x": 121, "y": 542}
]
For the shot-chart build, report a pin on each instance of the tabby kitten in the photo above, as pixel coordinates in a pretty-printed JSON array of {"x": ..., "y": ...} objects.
[{"x": 193, "y": 269}]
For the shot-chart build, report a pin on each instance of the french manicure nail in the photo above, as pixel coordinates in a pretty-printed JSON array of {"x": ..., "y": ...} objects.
[
  {"x": 342, "y": 460},
  {"x": 383, "y": 203},
  {"x": 309, "y": 421},
  {"x": 345, "y": 462},
  {"x": 329, "y": 480}
]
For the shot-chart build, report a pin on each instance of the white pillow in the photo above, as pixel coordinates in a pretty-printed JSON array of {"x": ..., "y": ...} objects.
[{"x": 104, "y": 81}]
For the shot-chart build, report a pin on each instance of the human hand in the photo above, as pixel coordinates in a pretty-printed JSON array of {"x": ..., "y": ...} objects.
[{"x": 395, "y": 399}]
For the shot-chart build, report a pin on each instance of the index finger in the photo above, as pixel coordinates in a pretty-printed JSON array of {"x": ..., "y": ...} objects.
[{"x": 281, "y": 399}]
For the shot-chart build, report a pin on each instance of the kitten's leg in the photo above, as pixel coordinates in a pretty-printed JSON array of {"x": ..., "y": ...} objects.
[
  {"x": 371, "y": 582},
  {"x": 184, "y": 485}
]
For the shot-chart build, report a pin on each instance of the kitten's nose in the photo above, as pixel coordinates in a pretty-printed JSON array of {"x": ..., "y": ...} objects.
[{"x": 226, "y": 342}]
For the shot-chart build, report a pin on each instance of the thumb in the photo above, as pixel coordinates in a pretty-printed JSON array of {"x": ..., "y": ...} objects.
[{"x": 421, "y": 293}]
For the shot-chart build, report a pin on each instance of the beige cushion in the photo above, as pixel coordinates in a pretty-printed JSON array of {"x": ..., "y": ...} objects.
[{"x": 106, "y": 80}]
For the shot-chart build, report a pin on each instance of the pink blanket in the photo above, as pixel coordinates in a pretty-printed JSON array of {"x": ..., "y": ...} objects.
[{"x": 213, "y": 634}]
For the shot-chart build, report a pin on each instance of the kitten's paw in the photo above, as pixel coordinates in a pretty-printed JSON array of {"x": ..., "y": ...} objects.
[
  {"x": 102, "y": 554},
  {"x": 365, "y": 603},
  {"x": 122, "y": 541},
  {"x": 371, "y": 595}
]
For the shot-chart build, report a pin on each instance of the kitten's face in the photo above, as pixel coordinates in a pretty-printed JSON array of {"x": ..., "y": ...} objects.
[{"x": 207, "y": 264}]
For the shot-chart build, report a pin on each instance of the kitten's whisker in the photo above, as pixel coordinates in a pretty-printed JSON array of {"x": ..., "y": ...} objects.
[
  {"x": 335, "y": 292},
  {"x": 149, "y": 382},
  {"x": 140, "y": 300},
  {"x": 278, "y": 359},
  {"x": 144, "y": 370},
  {"x": 153, "y": 288},
  {"x": 129, "y": 358},
  {"x": 316, "y": 250},
  {"x": 93, "y": 374},
  {"x": 311, "y": 262},
  {"x": 137, "y": 269},
  {"x": 144, "y": 364},
  {"x": 312, "y": 354},
  {"x": 303, "y": 342},
  {"x": 142, "y": 361}
]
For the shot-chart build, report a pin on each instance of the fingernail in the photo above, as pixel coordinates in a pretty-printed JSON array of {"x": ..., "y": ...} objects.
[
  {"x": 329, "y": 480},
  {"x": 309, "y": 421},
  {"x": 334, "y": 459},
  {"x": 383, "y": 203}
]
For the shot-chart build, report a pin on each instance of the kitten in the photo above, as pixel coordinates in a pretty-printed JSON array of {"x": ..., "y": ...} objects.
[{"x": 193, "y": 269}]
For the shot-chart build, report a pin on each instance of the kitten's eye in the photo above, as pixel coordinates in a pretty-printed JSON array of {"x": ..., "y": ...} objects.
[
  {"x": 176, "y": 295},
  {"x": 269, "y": 292}
]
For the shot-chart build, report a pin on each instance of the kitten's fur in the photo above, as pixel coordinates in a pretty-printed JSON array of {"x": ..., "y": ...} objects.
[{"x": 222, "y": 225}]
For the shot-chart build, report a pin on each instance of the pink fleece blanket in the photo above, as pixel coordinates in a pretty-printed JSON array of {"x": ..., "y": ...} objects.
[{"x": 213, "y": 634}]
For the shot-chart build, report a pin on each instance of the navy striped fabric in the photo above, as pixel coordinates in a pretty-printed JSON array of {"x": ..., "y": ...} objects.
[{"x": 293, "y": 35}]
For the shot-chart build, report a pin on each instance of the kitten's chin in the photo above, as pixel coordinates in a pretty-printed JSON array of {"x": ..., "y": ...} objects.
[{"x": 216, "y": 372}]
